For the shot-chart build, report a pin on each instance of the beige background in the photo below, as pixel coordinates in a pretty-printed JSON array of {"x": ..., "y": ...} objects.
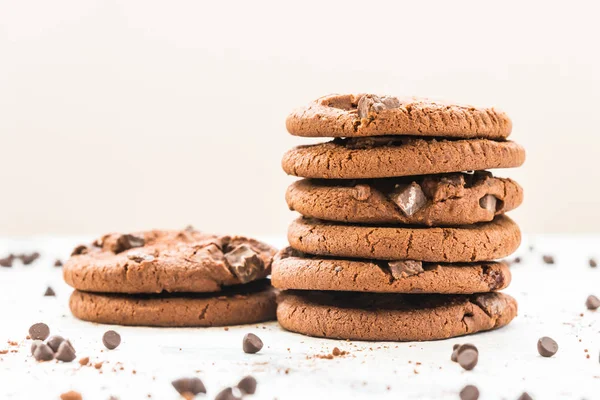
[{"x": 119, "y": 115}]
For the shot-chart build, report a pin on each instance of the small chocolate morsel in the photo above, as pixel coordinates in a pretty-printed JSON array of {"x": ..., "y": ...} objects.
[
  {"x": 592, "y": 302},
  {"x": 27, "y": 259},
  {"x": 488, "y": 202},
  {"x": 7, "y": 261},
  {"x": 468, "y": 359},
  {"x": 111, "y": 340},
  {"x": 43, "y": 352},
  {"x": 34, "y": 345},
  {"x": 469, "y": 392},
  {"x": 126, "y": 242},
  {"x": 547, "y": 347},
  {"x": 593, "y": 263},
  {"x": 247, "y": 385},
  {"x": 409, "y": 199},
  {"x": 525, "y": 396},
  {"x": 404, "y": 268},
  {"x": 139, "y": 257},
  {"x": 54, "y": 342},
  {"x": 244, "y": 263},
  {"x": 548, "y": 259},
  {"x": 454, "y": 356},
  {"x": 81, "y": 249},
  {"x": 39, "y": 331},
  {"x": 467, "y": 346},
  {"x": 252, "y": 343},
  {"x": 49, "y": 292},
  {"x": 58, "y": 263},
  {"x": 189, "y": 385},
  {"x": 66, "y": 352},
  {"x": 227, "y": 394}
]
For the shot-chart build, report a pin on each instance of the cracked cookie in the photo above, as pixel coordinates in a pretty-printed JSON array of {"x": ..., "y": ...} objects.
[
  {"x": 469, "y": 243},
  {"x": 295, "y": 270},
  {"x": 397, "y": 317},
  {"x": 167, "y": 261},
  {"x": 432, "y": 200},
  {"x": 243, "y": 304},
  {"x": 355, "y": 115}
]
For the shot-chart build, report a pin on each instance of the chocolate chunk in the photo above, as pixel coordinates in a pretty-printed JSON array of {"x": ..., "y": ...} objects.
[
  {"x": 525, "y": 396},
  {"x": 362, "y": 192},
  {"x": 139, "y": 257},
  {"x": 371, "y": 103},
  {"x": 244, "y": 263},
  {"x": 469, "y": 392},
  {"x": 247, "y": 385},
  {"x": 548, "y": 259},
  {"x": 81, "y": 249},
  {"x": 39, "y": 331},
  {"x": 71, "y": 395},
  {"x": 488, "y": 202},
  {"x": 27, "y": 259},
  {"x": 34, "y": 345},
  {"x": 43, "y": 352},
  {"x": 409, "y": 199},
  {"x": 592, "y": 302},
  {"x": 7, "y": 261},
  {"x": 454, "y": 356},
  {"x": 547, "y": 347},
  {"x": 228, "y": 394},
  {"x": 467, "y": 359},
  {"x": 54, "y": 342},
  {"x": 58, "y": 263},
  {"x": 593, "y": 263},
  {"x": 65, "y": 352},
  {"x": 126, "y": 242},
  {"x": 404, "y": 268},
  {"x": 111, "y": 340},
  {"x": 192, "y": 386},
  {"x": 49, "y": 292},
  {"x": 444, "y": 187},
  {"x": 252, "y": 343}
]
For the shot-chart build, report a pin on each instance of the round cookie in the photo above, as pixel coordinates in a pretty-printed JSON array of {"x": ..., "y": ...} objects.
[
  {"x": 245, "y": 304},
  {"x": 387, "y": 157},
  {"x": 294, "y": 270},
  {"x": 392, "y": 317},
  {"x": 432, "y": 200},
  {"x": 479, "y": 242},
  {"x": 355, "y": 115},
  {"x": 169, "y": 261}
]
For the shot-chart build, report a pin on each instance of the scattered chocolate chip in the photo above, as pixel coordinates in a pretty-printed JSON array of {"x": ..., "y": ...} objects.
[
  {"x": 488, "y": 202},
  {"x": 244, "y": 263},
  {"x": 593, "y": 263},
  {"x": 252, "y": 343},
  {"x": 34, "y": 345},
  {"x": 525, "y": 396},
  {"x": 548, "y": 259},
  {"x": 459, "y": 348},
  {"x": 592, "y": 302},
  {"x": 189, "y": 385},
  {"x": 43, "y": 352},
  {"x": 81, "y": 249},
  {"x": 58, "y": 263},
  {"x": 247, "y": 385},
  {"x": 27, "y": 259},
  {"x": 54, "y": 342},
  {"x": 227, "y": 394},
  {"x": 409, "y": 199},
  {"x": 7, "y": 261},
  {"x": 49, "y": 292},
  {"x": 126, "y": 242},
  {"x": 467, "y": 359},
  {"x": 71, "y": 395},
  {"x": 39, "y": 331},
  {"x": 66, "y": 352},
  {"x": 547, "y": 347},
  {"x": 516, "y": 260},
  {"x": 469, "y": 392},
  {"x": 111, "y": 340},
  {"x": 405, "y": 268}
]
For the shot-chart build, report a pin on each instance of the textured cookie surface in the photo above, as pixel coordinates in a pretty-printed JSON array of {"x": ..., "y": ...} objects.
[
  {"x": 434, "y": 200},
  {"x": 374, "y": 115},
  {"x": 470, "y": 243},
  {"x": 245, "y": 304},
  {"x": 387, "y": 156},
  {"x": 170, "y": 261},
  {"x": 394, "y": 317},
  {"x": 294, "y": 270}
]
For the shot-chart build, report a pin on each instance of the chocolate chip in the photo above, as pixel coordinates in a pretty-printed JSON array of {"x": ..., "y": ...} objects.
[
  {"x": 111, "y": 340},
  {"x": 593, "y": 263},
  {"x": 227, "y": 394},
  {"x": 459, "y": 348},
  {"x": 252, "y": 343},
  {"x": 525, "y": 396},
  {"x": 405, "y": 268},
  {"x": 409, "y": 199},
  {"x": 126, "y": 242},
  {"x": 469, "y": 392},
  {"x": 54, "y": 342},
  {"x": 58, "y": 263},
  {"x": 43, "y": 352},
  {"x": 371, "y": 103},
  {"x": 49, "y": 292},
  {"x": 189, "y": 385},
  {"x": 547, "y": 347},
  {"x": 34, "y": 345},
  {"x": 81, "y": 249},
  {"x": 488, "y": 202},
  {"x": 65, "y": 352},
  {"x": 548, "y": 259},
  {"x": 7, "y": 261},
  {"x": 139, "y": 257},
  {"x": 27, "y": 259},
  {"x": 244, "y": 263},
  {"x": 39, "y": 331},
  {"x": 467, "y": 358},
  {"x": 247, "y": 385},
  {"x": 592, "y": 302}
]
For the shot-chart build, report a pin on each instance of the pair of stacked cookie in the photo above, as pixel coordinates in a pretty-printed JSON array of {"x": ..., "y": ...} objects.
[
  {"x": 401, "y": 222},
  {"x": 171, "y": 278}
]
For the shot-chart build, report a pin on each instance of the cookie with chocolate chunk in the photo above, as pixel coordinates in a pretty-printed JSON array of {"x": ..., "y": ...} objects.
[
  {"x": 470, "y": 243},
  {"x": 242, "y": 304},
  {"x": 295, "y": 270},
  {"x": 397, "y": 317},
  {"x": 167, "y": 261},
  {"x": 432, "y": 200},
  {"x": 389, "y": 156},
  {"x": 356, "y": 115}
]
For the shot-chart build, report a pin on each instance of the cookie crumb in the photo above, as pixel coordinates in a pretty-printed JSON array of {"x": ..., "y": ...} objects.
[
  {"x": 71, "y": 395},
  {"x": 84, "y": 361}
]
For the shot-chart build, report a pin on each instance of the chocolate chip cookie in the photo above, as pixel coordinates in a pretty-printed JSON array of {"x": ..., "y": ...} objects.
[
  {"x": 169, "y": 261},
  {"x": 295, "y": 270},
  {"x": 398, "y": 317},
  {"x": 354, "y": 115},
  {"x": 432, "y": 200},
  {"x": 469, "y": 243}
]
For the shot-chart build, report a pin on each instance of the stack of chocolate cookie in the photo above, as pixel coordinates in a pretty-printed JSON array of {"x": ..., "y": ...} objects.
[
  {"x": 171, "y": 278},
  {"x": 401, "y": 222}
]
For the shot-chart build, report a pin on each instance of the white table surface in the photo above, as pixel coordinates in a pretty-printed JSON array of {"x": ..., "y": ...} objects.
[{"x": 551, "y": 299}]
